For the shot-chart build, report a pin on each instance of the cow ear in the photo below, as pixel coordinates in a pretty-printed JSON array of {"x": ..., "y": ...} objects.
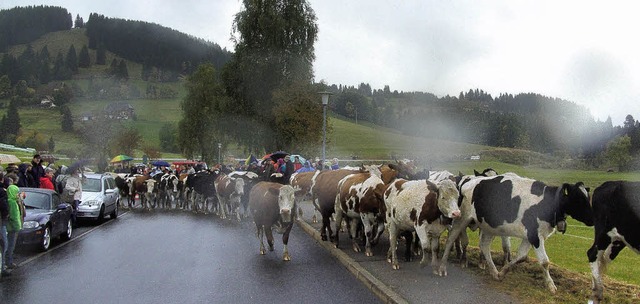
[
  {"x": 565, "y": 189},
  {"x": 476, "y": 173}
]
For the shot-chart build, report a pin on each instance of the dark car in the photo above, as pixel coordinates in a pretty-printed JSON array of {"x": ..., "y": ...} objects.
[{"x": 47, "y": 217}]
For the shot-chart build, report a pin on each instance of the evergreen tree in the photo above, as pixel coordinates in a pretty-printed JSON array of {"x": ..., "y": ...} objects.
[
  {"x": 12, "y": 121},
  {"x": 79, "y": 23},
  {"x": 72, "y": 59},
  {"x": 123, "y": 72},
  {"x": 51, "y": 144},
  {"x": 60, "y": 69},
  {"x": 113, "y": 67},
  {"x": 84, "y": 60},
  {"x": 5, "y": 86},
  {"x": 67, "y": 119},
  {"x": 101, "y": 55}
]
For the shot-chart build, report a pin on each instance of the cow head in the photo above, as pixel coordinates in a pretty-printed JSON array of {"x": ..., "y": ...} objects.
[
  {"x": 151, "y": 185},
  {"x": 448, "y": 195},
  {"x": 286, "y": 202},
  {"x": 575, "y": 199},
  {"x": 238, "y": 188},
  {"x": 174, "y": 181},
  {"x": 374, "y": 221}
]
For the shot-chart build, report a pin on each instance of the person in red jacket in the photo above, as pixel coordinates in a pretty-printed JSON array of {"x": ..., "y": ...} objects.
[{"x": 46, "y": 181}]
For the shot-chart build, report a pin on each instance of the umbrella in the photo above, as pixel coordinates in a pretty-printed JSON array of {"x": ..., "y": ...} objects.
[
  {"x": 9, "y": 159},
  {"x": 160, "y": 163},
  {"x": 121, "y": 158},
  {"x": 76, "y": 165},
  {"x": 276, "y": 155},
  {"x": 302, "y": 159}
]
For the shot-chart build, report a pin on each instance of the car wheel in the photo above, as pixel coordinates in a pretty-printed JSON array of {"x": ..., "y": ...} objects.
[
  {"x": 114, "y": 213},
  {"x": 101, "y": 215},
  {"x": 46, "y": 239},
  {"x": 66, "y": 235}
]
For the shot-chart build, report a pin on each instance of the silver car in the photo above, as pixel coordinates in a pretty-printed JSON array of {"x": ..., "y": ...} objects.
[{"x": 99, "y": 197}]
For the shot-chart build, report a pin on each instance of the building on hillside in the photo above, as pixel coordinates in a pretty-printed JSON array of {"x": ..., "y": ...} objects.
[
  {"x": 119, "y": 110},
  {"x": 86, "y": 116}
]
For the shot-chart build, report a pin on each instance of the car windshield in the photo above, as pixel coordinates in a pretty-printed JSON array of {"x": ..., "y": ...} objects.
[
  {"x": 91, "y": 185},
  {"x": 37, "y": 201}
]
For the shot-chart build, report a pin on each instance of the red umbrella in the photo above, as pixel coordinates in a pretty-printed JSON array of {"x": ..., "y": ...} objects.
[{"x": 275, "y": 155}]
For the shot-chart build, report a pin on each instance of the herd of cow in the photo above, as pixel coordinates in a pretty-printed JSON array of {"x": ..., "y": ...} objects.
[{"x": 397, "y": 198}]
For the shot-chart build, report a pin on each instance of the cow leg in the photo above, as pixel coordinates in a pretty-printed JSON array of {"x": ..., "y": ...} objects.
[
  {"x": 506, "y": 249},
  {"x": 598, "y": 260},
  {"x": 485, "y": 247},
  {"x": 316, "y": 209},
  {"x": 326, "y": 233},
  {"x": 259, "y": 233},
  {"x": 425, "y": 243},
  {"x": 269, "y": 233},
  {"x": 285, "y": 241},
  {"x": 435, "y": 246},
  {"x": 393, "y": 246},
  {"x": 338, "y": 216},
  {"x": 368, "y": 232},
  {"x": 523, "y": 250},
  {"x": 458, "y": 226},
  {"x": 408, "y": 248},
  {"x": 463, "y": 239},
  {"x": 543, "y": 259},
  {"x": 220, "y": 208},
  {"x": 353, "y": 233}
]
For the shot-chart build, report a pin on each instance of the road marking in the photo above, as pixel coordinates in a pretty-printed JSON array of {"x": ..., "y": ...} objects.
[{"x": 73, "y": 239}]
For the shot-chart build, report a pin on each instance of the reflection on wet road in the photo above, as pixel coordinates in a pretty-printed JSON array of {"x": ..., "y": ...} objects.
[{"x": 178, "y": 257}]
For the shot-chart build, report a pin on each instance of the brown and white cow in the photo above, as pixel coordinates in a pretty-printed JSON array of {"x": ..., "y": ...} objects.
[
  {"x": 420, "y": 206},
  {"x": 361, "y": 199},
  {"x": 509, "y": 205},
  {"x": 273, "y": 204},
  {"x": 229, "y": 191},
  {"x": 138, "y": 185},
  {"x": 302, "y": 182},
  {"x": 324, "y": 191},
  {"x": 616, "y": 215}
]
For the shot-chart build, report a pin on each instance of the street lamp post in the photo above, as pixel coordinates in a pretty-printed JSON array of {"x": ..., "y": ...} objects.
[
  {"x": 325, "y": 102},
  {"x": 219, "y": 148}
]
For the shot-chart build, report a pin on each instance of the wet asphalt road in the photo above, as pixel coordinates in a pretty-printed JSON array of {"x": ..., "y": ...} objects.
[{"x": 179, "y": 257}]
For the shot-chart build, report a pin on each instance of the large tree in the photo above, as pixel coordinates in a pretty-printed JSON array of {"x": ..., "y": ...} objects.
[
  {"x": 202, "y": 125},
  {"x": 274, "y": 48}
]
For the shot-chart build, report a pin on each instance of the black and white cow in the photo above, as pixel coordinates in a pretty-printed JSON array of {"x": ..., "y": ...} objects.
[
  {"x": 463, "y": 240},
  {"x": 616, "y": 212},
  {"x": 509, "y": 205},
  {"x": 171, "y": 183},
  {"x": 199, "y": 187},
  {"x": 250, "y": 179}
]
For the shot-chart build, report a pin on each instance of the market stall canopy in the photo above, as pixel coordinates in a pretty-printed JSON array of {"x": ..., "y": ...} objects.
[
  {"x": 9, "y": 159},
  {"x": 121, "y": 158}
]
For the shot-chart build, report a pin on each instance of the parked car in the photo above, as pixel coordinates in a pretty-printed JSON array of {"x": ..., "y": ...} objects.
[
  {"x": 99, "y": 197},
  {"x": 46, "y": 217}
]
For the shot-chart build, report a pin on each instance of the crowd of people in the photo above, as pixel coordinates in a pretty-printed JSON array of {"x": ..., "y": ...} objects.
[{"x": 12, "y": 211}]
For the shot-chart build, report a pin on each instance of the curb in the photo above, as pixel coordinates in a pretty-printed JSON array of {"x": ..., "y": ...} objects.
[{"x": 381, "y": 290}]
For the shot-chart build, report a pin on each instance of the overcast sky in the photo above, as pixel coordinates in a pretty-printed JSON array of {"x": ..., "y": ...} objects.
[{"x": 587, "y": 52}]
